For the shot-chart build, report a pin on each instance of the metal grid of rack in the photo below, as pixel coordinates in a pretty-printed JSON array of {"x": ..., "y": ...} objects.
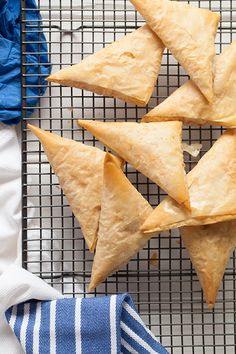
[{"x": 166, "y": 291}]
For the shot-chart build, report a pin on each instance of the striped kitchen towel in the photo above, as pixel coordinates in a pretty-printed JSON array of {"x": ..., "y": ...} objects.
[{"x": 100, "y": 325}]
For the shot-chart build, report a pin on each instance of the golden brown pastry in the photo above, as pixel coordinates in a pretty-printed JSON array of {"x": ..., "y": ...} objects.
[
  {"x": 188, "y": 104},
  {"x": 212, "y": 189},
  {"x": 123, "y": 210},
  {"x": 154, "y": 149},
  {"x": 189, "y": 33},
  {"x": 126, "y": 69},
  {"x": 79, "y": 169},
  {"x": 210, "y": 247}
]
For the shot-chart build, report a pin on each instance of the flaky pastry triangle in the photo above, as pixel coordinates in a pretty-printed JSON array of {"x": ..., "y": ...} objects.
[
  {"x": 210, "y": 247},
  {"x": 155, "y": 149},
  {"x": 188, "y": 104},
  {"x": 126, "y": 69},
  {"x": 123, "y": 210},
  {"x": 79, "y": 169},
  {"x": 188, "y": 32},
  {"x": 212, "y": 190}
]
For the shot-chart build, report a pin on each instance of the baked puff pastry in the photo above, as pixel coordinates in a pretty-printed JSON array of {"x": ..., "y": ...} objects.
[
  {"x": 210, "y": 248},
  {"x": 126, "y": 69},
  {"x": 189, "y": 33},
  {"x": 212, "y": 190},
  {"x": 155, "y": 149},
  {"x": 189, "y": 105},
  {"x": 79, "y": 169},
  {"x": 123, "y": 210}
]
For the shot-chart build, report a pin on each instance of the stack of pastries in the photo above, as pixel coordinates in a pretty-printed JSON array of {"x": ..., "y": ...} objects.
[{"x": 115, "y": 219}]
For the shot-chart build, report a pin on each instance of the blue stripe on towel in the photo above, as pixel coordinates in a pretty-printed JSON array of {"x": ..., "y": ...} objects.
[
  {"x": 133, "y": 343},
  {"x": 139, "y": 329},
  {"x": 8, "y": 314},
  {"x": 30, "y": 327},
  {"x": 44, "y": 332},
  {"x": 95, "y": 325},
  {"x": 124, "y": 350},
  {"x": 65, "y": 335},
  {"x": 19, "y": 319}
]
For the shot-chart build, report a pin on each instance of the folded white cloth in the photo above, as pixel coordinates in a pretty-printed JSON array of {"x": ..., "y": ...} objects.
[
  {"x": 16, "y": 286},
  {"x": 10, "y": 197},
  {"x": 10, "y": 219}
]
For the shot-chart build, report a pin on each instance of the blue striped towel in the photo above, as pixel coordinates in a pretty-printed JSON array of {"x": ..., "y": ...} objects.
[{"x": 100, "y": 325}]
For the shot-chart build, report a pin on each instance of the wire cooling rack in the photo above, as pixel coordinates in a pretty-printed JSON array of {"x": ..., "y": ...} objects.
[{"x": 166, "y": 291}]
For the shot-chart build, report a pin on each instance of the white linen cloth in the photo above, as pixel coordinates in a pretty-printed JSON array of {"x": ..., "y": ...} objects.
[
  {"x": 16, "y": 284},
  {"x": 10, "y": 220},
  {"x": 10, "y": 197}
]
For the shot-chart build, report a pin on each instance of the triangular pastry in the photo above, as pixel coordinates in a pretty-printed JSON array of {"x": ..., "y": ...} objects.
[
  {"x": 188, "y": 104},
  {"x": 212, "y": 189},
  {"x": 189, "y": 33},
  {"x": 126, "y": 69},
  {"x": 155, "y": 149},
  {"x": 123, "y": 210},
  {"x": 79, "y": 169},
  {"x": 210, "y": 247}
]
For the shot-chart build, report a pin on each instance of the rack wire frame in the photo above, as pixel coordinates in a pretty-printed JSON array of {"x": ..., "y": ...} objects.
[{"x": 165, "y": 288}]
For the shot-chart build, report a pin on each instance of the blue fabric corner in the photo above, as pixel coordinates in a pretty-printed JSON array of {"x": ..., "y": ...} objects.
[
  {"x": 10, "y": 60},
  {"x": 100, "y": 325}
]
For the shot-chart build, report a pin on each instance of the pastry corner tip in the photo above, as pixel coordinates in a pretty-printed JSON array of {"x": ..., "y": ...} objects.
[
  {"x": 217, "y": 18},
  {"x": 113, "y": 161},
  {"x": 210, "y": 305},
  {"x": 142, "y": 103},
  {"x": 108, "y": 157},
  {"x": 92, "y": 246},
  {"x": 149, "y": 118},
  {"x": 145, "y": 119},
  {"x": 91, "y": 287},
  {"x": 29, "y": 126},
  {"x": 146, "y": 228},
  {"x": 53, "y": 77},
  {"x": 49, "y": 78},
  {"x": 148, "y": 232},
  {"x": 143, "y": 227},
  {"x": 187, "y": 205},
  {"x": 33, "y": 128},
  {"x": 208, "y": 93},
  {"x": 83, "y": 122}
]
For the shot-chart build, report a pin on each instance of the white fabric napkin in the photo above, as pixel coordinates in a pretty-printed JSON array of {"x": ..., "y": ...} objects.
[
  {"x": 10, "y": 220},
  {"x": 10, "y": 197},
  {"x": 16, "y": 284}
]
